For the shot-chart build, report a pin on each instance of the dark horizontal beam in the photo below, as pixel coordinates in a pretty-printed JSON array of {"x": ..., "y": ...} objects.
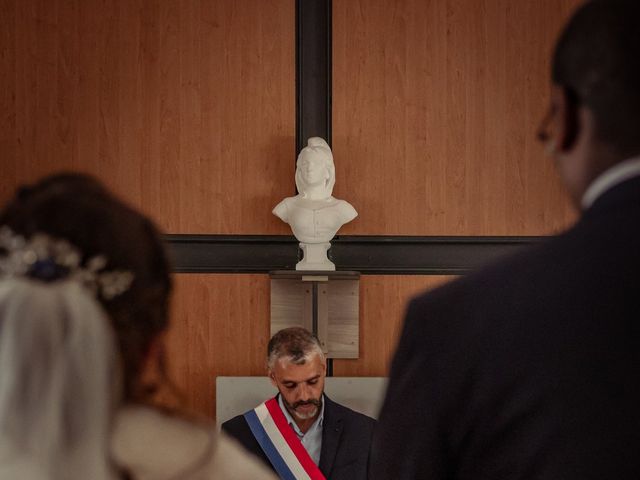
[{"x": 392, "y": 255}]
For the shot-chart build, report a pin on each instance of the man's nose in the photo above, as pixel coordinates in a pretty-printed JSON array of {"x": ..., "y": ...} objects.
[{"x": 304, "y": 393}]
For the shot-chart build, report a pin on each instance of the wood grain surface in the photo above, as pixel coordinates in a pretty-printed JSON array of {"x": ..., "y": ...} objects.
[
  {"x": 383, "y": 300},
  {"x": 435, "y": 107},
  {"x": 220, "y": 326},
  {"x": 186, "y": 109}
]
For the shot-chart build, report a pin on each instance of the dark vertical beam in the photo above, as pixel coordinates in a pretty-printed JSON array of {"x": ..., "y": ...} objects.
[
  {"x": 314, "y": 324},
  {"x": 313, "y": 71},
  {"x": 313, "y": 84},
  {"x": 314, "y": 307}
]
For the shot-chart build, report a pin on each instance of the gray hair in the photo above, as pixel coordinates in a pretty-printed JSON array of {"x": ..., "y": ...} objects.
[{"x": 295, "y": 344}]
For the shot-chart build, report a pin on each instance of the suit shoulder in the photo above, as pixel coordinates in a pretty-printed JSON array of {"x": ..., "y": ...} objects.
[
  {"x": 235, "y": 424},
  {"x": 351, "y": 415}
]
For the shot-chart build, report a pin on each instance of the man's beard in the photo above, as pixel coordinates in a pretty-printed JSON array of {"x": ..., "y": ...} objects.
[{"x": 302, "y": 415}]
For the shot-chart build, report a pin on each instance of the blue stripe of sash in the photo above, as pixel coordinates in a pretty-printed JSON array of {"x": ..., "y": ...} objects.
[{"x": 267, "y": 446}]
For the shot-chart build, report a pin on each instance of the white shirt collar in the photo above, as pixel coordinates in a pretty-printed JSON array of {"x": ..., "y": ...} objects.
[{"x": 609, "y": 179}]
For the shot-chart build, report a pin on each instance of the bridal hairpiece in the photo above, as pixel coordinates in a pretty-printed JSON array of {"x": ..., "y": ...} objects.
[{"x": 49, "y": 259}]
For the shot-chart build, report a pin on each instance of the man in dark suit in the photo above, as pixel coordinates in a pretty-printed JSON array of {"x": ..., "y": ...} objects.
[
  {"x": 529, "y": 368},
  {"x": 336, "y": 439}
]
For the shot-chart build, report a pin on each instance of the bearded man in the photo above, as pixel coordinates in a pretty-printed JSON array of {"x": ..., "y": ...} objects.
[{"x": 301, "y": 433}]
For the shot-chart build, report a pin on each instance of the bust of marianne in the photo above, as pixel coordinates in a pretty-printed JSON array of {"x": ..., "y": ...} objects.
[{"x": 314, "y": 214}]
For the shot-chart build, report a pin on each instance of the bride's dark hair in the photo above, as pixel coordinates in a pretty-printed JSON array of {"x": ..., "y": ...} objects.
[{"x": 77, "y": 208}]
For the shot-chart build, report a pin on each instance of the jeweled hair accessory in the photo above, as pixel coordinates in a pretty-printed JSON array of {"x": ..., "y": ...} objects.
[{"x": 49, "y": 259}]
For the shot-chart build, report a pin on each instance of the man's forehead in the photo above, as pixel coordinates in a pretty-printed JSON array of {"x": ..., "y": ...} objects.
[{"x": 313, "y": 366}]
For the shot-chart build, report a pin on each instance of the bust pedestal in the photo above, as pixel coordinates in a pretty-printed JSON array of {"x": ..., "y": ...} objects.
[{"x": 315, "y": 257}]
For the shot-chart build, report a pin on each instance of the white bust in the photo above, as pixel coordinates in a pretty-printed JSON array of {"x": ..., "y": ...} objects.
[{"x": 314, "y": 215}]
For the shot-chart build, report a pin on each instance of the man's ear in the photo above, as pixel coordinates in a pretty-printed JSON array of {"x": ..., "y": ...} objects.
[
  {"x": 567, "y": 119},
  {"x": 272, "y": 377},
  {"x": 323, "y": 364}
]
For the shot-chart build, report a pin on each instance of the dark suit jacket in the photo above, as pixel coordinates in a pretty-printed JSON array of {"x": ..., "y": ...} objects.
[
  {"x": 528, "y": 369},
  {"x": 346, "y": 439}
]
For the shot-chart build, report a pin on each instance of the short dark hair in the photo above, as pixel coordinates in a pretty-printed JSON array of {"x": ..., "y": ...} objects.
[
  {"x": 597, "y": 58},
  {"x": 294, "y": 343}
]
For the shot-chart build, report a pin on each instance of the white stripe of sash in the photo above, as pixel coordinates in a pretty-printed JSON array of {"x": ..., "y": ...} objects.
[{"x": 280, "y": 443}]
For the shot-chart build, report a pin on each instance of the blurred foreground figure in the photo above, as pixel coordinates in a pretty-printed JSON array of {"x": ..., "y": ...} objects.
[
  {"x": 528, "y": 369},
  {"x": 84, "y": 297}
]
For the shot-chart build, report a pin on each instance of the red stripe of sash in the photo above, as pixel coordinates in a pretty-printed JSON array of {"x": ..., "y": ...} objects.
[{"x": 292, "y": 440}]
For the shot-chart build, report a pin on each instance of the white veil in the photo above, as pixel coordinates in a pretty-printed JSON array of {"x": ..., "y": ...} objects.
[{"x": 57, "y": 382}]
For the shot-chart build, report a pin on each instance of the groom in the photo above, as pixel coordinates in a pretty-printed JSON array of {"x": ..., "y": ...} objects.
[{"x": 301, "y": 433}]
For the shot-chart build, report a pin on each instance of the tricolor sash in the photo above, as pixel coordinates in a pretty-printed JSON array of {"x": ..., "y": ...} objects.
[{"x": 280, "y": 443}]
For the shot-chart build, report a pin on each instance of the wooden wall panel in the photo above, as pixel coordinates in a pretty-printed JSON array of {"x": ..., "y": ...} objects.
[
  {"x": 220, "y": 326},
  {"x": 185, "y": 108},
  {"x": 435, "y": 106},
  {"x": 7, "y": 96},
  {"x": 383, "y": 300}
]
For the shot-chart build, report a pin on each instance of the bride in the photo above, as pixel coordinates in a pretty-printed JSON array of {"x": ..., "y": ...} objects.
[{"x": 84, "y": 297}]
